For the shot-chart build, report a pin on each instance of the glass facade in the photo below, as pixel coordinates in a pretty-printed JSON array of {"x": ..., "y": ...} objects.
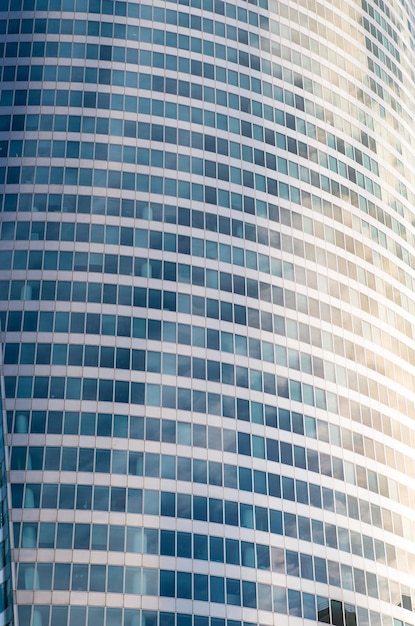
[
  {"x": 207, "y": 311},
  {"x": 6, "y": 600}
]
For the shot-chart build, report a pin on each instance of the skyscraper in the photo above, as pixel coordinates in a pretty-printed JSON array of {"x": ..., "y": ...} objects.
[{"x": 207, "y": 317}]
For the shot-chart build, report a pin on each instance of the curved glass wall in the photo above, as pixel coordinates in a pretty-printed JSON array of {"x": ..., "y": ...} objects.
[{"x": 207, "y": 253}]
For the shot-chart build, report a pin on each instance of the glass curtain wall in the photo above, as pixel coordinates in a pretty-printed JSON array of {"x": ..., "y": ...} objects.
[{"x": 207, "y": 283}]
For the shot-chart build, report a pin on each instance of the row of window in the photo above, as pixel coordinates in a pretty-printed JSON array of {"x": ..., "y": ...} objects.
[
  {"x": 184, "y": 303},
  {"x": 187, "y": 469},
  {"x": 130, "y": 32},
  {"x": 328, "y": 611},
  {"x": 171, "y": 271},
  {"x": 125, "y": 235},
  {"x": 144, "y": 210},
  {"x": 145, "y": 268},
  {"x": 162, "y": 109},
  {"x": 142, "y": 130},
  {"x": 211, "y": 437},
  {"x": 93, "y": 356},
  {"x": 149, "y": 239},
  {"x": 159, "y": 108},
  {"x": 109, "y": 461},
  {"x": 182, "y": 137},
  {"x": 183, "y": 163},
  {"x": 37, "y": 73},
  {"x": 153, "y": 184},
  {"x": 290, "y": 563},
  {"x": 121, "y": 325},
  {"x": 124, "y": 326},
  {"x": 167, "y": 431},
  {"x": 67, "y": 536},
  {"x": 184, "y": 506},
  {"x": 155, "y": 212},
  {"x": 116, "y": 579},
  {"x": 168, "y": 583},
  {"x": 95, "y": 324},
  {"x": 142, "y": 156},
  {"x": 144, "y": 183},
  {"x": 139, "y": 238},
  {"x": 121, "y": 8},
  {"x": 170, "y": 332},
  {"x": 172, "y": 135},
  {"x": 167, "y": 466},
  {"x": 167, "y": 363},
  {"x": 157, "y": 240},
  {"x": 186, "y": 545},
  {"x": 99, "y": 205},
  {"x": 139, "y": 360},
  {"x": 160, "y": 37},
  {"x": 185, "y": 245},
  {"x": 207, "y": 221},
  {"x": 170, "y": 242},
  {"x": 211, "y": 509},
  {"x": 108, "y": 390},
  {"x": 267, "y": 69},
  {"x": 55, "y": 231},
  {"x": 106, "y": 52},
  {"x": 170, "y": 214}
]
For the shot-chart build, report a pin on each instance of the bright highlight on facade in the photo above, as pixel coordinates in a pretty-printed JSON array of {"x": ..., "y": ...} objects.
[{"x": 207, "y": 320}]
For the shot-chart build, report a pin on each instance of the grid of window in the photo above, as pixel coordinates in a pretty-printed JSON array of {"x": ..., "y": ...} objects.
[{"x": 207, "y": 295}]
